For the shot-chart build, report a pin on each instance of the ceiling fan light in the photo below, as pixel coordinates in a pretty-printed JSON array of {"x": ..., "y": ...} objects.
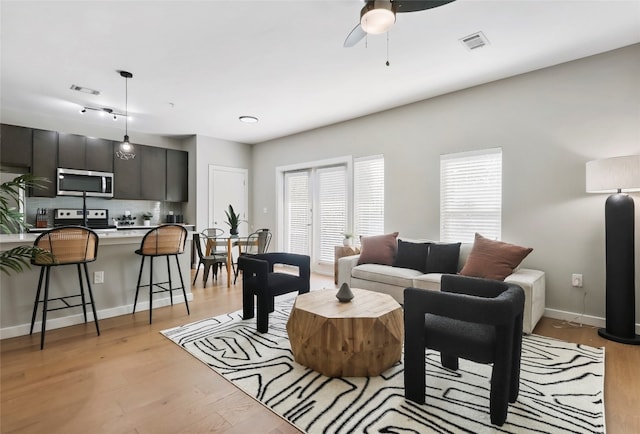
[{"x": 377, "y": 17}]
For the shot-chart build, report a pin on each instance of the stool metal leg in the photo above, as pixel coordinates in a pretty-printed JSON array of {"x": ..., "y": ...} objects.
[
  {"x": 150, "y": 289},
  {"x": 84, "y": 302},
  {"x": 37, "y": 301},
  {"x": 44, "y": 309},
  {"x": 184, "y": 291},
  {"x": 170, "y": 282},
  {"x": 135, "y": 301},
  {"x": 93, "y": 305}
]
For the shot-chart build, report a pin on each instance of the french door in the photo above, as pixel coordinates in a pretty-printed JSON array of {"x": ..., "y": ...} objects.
[{"x": 316, "y": 212}]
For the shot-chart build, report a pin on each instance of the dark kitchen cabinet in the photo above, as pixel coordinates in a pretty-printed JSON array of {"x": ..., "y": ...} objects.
[
  {"x": 99, "y": 154},
  {"x": 153, "y": 175},
  {"x": 126, "y": 176},
  {"x": 15, "y": 145},
  {"x": 177, "y": 176},
  {"x": 45, "y": 161},
  {"x": 71, "y": 151},
  {"x": 85, "y": 153}
]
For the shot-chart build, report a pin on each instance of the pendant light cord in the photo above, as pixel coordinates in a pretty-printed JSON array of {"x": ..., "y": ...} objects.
[{"x": 126, "y": 106}]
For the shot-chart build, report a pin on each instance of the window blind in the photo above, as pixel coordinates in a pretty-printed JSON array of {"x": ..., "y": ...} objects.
[
  {"x": 297, "y": 212},
  {"x": 368, "y": 195},
  {"x": 471, "y": 195},
  {"x": 332, "y": 201}
]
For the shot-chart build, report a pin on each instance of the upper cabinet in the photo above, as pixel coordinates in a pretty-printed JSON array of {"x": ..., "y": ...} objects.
[
  {"x": 15, "y": 145},
  {"x": 126, "y": 176},
  {"x": 177, "y": 176},
  {"x": 153, "y": 175},
  {"x": 45, "y": 161},
  {"x": 85, "y": 153}
]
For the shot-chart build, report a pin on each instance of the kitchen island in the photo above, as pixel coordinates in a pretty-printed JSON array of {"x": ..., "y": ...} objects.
[{"x": 113, "y": 297}]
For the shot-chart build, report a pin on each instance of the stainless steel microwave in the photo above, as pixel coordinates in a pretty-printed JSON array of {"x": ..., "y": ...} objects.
[{"x": 73, "y": 182}]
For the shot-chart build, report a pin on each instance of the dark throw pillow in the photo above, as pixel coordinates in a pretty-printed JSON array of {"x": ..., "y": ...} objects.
[
  {"x": 378, "y": 249},
  {"x": 412, "y": 255},
  {"x": 493, "y": 259},
  {"x": 443, "y": 258}
]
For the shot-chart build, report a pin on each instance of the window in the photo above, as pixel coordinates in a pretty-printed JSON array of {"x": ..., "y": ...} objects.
[
  {"x": 368, "y": 196},
  {"x": 471, "y": 195}
]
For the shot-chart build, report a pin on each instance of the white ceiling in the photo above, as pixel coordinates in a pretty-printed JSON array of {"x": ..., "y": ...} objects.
[{"x": 282, "y": 61}]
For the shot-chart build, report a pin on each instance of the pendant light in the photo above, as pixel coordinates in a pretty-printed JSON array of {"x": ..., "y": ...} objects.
[{"x": 125, "y": 146}]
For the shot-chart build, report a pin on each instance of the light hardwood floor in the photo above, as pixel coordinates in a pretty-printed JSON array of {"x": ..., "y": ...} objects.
[{"x": 133, "y": 380}]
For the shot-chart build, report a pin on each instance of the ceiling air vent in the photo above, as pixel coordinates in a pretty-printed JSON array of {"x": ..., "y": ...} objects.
[
  {"x": 475, "y": 40},
  {"x": 84, "y": 89}
]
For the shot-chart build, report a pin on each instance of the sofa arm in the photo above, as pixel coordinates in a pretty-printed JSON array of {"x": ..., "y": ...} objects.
[
  {"x": 345, "y": 265},
  {"x": 533, "y": 284}
]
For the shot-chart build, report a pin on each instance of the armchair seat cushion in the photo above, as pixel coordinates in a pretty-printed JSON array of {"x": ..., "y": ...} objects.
[
  {"x": 471, "y": 341},
  {"x": 280, "y": 283}
]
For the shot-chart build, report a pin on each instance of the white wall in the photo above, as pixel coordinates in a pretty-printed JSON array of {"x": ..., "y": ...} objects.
[
  {"x": 218, "y": 152},
  {"x": 549, "y": 123}
]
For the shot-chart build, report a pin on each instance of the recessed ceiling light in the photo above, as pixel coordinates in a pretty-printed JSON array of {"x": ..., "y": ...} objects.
[
  {"x": 248, "y": 119},
  {"x": 84, "y": 89}
]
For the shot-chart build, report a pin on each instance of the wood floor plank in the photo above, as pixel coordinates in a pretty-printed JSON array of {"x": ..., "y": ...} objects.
[{"x": 131, "y": 379}]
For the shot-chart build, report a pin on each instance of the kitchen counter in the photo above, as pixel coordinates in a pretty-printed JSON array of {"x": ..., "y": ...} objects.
[{"x": 116, "y": 258}]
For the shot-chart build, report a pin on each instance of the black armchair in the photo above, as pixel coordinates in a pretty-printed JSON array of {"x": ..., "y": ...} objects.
[
  {"x": 476, "y": 319},
  {"x": 259, "y": 280}
]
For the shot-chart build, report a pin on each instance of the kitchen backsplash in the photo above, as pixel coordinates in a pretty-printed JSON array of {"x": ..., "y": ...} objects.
[{"x": 116, "y": 207}]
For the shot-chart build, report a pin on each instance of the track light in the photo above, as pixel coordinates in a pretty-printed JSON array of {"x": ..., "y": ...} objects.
[{"x": 84, "y": 110}]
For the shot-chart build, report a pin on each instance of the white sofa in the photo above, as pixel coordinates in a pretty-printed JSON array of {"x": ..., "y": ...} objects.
[{"x": 393, "y": 281}]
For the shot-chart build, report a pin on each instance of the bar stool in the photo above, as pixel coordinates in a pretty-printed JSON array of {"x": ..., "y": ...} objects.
[
  {"x": 65, "y": 245},
  {"x": 165, "y": 240}
]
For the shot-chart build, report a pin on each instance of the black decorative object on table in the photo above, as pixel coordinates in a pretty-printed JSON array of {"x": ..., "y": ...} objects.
[{"x": 344, "y": 294}]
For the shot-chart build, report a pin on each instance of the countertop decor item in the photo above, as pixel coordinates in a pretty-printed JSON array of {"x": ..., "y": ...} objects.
[{"x": 344, "y": 294}]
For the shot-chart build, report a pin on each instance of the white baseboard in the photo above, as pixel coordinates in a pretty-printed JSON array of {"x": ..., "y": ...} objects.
[
  {"x": 594, "y": 321},
  {"x": 56, "y": 323}
]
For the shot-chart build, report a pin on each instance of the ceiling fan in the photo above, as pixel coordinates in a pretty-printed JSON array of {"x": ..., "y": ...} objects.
[{"x": 377, "y": 16}]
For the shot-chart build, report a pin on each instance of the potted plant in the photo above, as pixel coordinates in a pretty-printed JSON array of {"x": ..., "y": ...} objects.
[
  {"x": 146, "y": 217},
  {"x": 348, "y": 239},
  {"x": 12, "y": 220},
  {"x": 233, "y": 220}
]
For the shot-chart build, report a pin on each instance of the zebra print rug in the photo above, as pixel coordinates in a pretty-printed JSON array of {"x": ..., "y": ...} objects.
[{"x": 561, "y": 388}]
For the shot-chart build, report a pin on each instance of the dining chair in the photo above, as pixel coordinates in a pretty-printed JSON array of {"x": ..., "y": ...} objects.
[
  {"x": 255, "y": 243},
  {"x": 210, "y": 262}
]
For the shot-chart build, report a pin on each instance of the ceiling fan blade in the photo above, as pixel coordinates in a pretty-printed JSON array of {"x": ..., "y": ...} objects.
[
  {"x": 418, "y": 5},
  {"x": 355, "y": 36}
]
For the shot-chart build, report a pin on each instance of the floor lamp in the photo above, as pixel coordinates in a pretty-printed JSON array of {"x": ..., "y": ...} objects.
[{"x": 615, "y": 175}]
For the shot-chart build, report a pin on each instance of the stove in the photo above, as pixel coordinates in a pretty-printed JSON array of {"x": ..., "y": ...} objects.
[{"x": 96, "y": 218}]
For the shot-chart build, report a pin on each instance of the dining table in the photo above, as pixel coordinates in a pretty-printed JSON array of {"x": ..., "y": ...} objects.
[{"x": 228, "y": 242}]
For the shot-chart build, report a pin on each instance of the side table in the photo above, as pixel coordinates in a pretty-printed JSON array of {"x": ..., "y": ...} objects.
[{"x": 339, "y": 252}]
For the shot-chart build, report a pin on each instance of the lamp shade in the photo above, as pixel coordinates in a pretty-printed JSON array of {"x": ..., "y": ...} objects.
[
  {"x": 613, "y": 174},
  {"x": 377, "y": 17}
]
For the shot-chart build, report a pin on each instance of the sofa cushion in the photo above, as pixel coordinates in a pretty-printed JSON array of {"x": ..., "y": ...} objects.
[
  {"x": 412, "y": 255},
  {"x": 378, "y": 249},
  {"x": 384, "y": 274},
  {"x": 428, "y": 281},
  {"x": 443, "y": 258},
  {"x": 493, "y": 259}
]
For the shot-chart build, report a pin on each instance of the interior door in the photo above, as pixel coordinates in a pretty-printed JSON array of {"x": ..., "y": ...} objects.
[{"x": 228, "y": 186}]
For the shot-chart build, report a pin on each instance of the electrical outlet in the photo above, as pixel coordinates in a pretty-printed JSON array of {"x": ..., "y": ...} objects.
[
  {"x": 98, "y": 277},
  {"x": 576, "y": 280}
]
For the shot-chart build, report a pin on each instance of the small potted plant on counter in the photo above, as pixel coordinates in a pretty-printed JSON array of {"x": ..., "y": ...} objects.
[{"x": 146, "y": 217}]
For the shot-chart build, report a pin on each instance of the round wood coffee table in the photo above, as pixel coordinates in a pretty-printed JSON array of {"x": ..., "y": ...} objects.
[{"x": 360, "y": 338}]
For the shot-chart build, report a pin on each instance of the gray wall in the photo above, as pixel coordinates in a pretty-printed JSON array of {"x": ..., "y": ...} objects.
[{"x": 549, "y": 123}]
